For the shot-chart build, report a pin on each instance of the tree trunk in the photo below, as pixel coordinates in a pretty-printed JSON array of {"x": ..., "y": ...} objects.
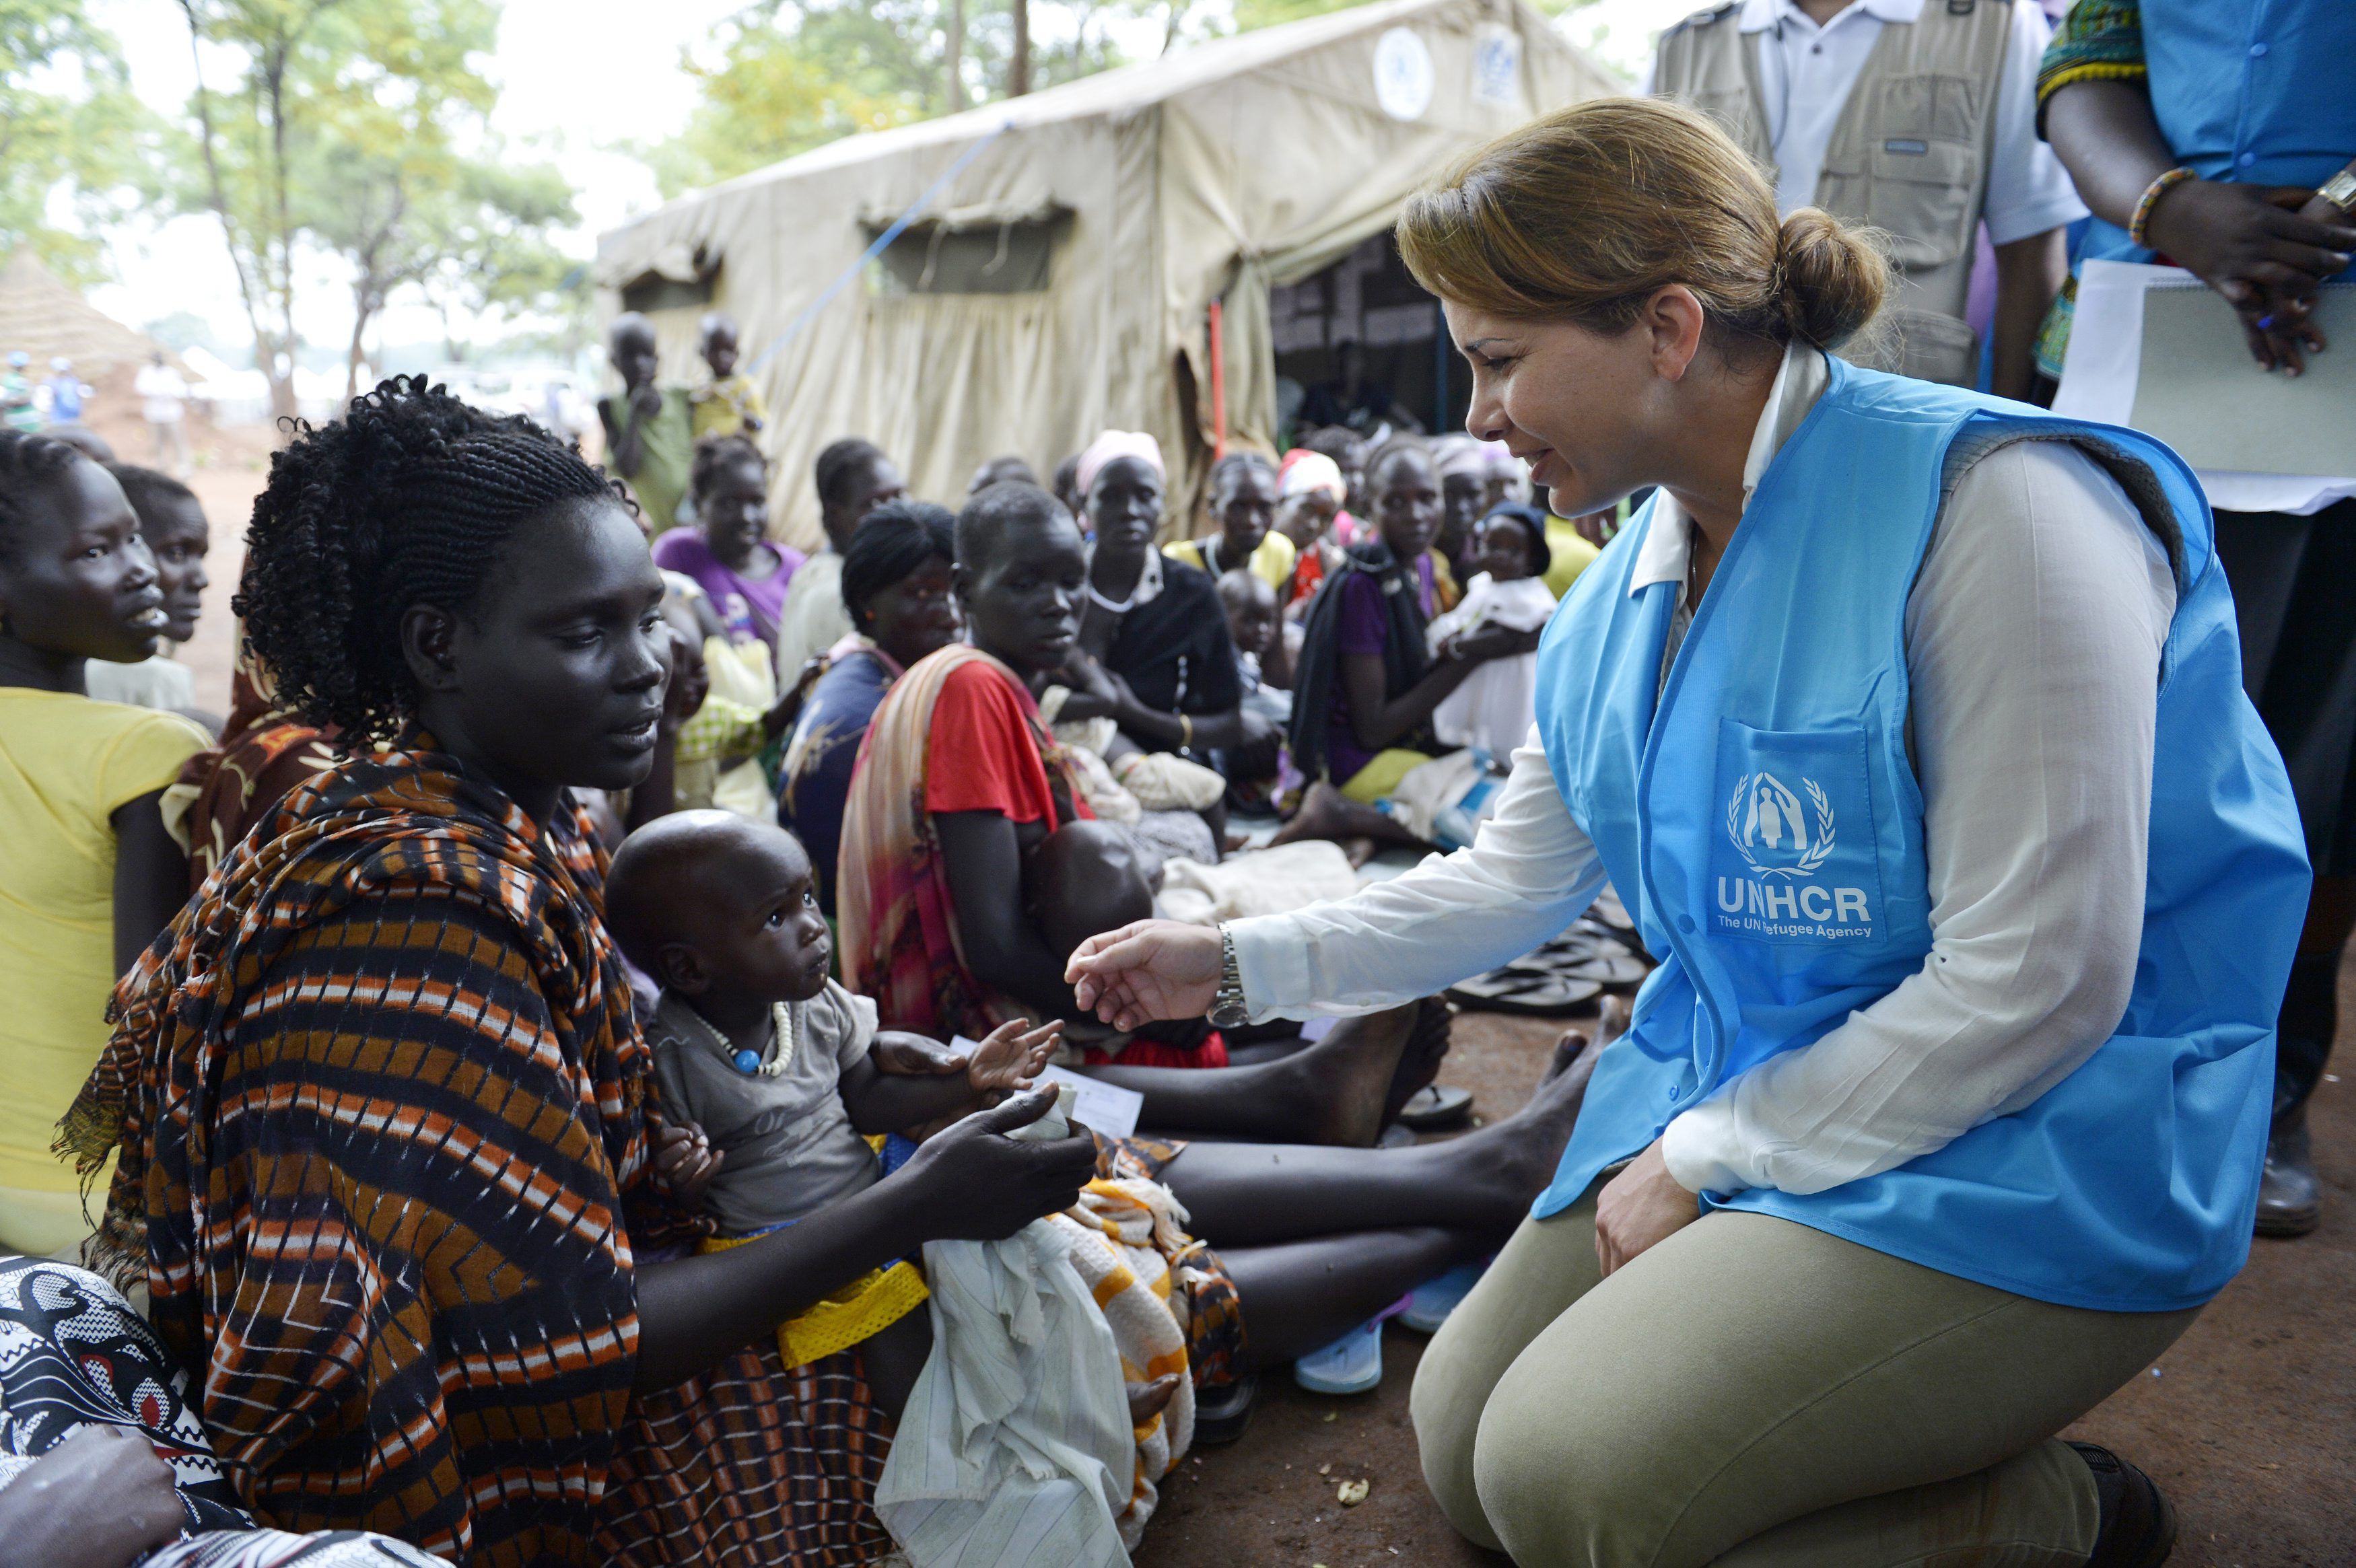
[
  {"x": 1018, "y": 76},
  {"x": 956, "y": 51}
]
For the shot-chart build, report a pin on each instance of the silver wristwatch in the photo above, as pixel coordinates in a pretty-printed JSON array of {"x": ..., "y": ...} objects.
[{"x": 1228, "y": 1009}]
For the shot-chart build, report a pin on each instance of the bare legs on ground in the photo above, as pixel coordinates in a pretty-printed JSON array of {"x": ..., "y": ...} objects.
[{"x": 1320, "y": 1239}]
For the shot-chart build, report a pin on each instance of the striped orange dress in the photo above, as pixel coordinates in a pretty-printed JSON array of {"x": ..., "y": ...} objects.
[{"x": 384, "y": 1122}]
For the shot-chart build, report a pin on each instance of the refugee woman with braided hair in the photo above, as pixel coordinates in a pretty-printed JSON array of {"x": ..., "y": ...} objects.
[
  {"x": 727, "y": 549},
  {"x": 853, "y": 478},
  {"x": 1244, "y": 493},
  {"x": 1909, "y": 723},
  {"x": 390, "y": 1163},
  {"x": 89, "y": 871}
]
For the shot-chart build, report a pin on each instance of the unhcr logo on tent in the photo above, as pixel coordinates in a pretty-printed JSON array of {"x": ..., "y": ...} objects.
[{"x": 1784, "y": 836}]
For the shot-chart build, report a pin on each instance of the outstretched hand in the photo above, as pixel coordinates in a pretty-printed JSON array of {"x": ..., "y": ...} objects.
[
  {"x": 1148, "y": 970},
  {"x": 1011, "y": 1055},
  {"x": 905, "y": 1055},
  {"x": 978, "y": 1185}
]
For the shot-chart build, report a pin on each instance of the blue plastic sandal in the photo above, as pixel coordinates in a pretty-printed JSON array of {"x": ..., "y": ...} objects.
[
  {"x": 1429, "y": 1304},
  {"x": 1351, "y": 1364}
]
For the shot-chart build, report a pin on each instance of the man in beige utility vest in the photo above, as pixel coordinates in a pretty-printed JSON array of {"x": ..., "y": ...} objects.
[{"x": 1918, "y": 117}]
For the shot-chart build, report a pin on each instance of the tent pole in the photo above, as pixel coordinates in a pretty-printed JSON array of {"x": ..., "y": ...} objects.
[
  {"x": 1218, "y": 387},
  {"x": 1018, "y": 75}
]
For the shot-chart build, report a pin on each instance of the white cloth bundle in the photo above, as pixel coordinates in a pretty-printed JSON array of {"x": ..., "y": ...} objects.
[
  {"x": 1015, "y": 1450},
  {"x": 1256, "y": 881},
  {"x": 1495, "y": 707}
]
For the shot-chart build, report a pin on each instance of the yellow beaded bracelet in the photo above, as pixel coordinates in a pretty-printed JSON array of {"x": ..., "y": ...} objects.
[{"x": 2141, "y": 222}]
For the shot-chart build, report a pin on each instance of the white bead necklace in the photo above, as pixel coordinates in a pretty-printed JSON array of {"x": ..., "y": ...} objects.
[{"x": 747, "y": 1060}]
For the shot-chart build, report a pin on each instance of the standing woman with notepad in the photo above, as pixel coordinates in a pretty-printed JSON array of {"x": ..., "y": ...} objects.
[
  {"x": 2220, "y": 138},
  {"x": 1907, "y": 722}
]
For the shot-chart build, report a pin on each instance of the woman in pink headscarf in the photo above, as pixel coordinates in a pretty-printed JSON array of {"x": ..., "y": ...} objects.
[{"x": 1310, "y": 492}]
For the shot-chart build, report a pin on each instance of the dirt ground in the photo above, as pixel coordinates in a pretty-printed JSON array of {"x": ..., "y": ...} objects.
[{"x": 2249, "y": 1422}]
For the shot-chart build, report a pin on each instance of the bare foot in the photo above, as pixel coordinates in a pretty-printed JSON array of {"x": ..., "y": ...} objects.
[
  {"x": 1357, "y": 852},
  {"x": 1611, "y": 1023},
  {"x": 1427, "y": 1047},
  {"x": 1338, "y": 1086},
  {"x": 1326, "y": 813},
  {"x": 1503, "y": 1166},
  {"x": 1147, "y": 1401}
]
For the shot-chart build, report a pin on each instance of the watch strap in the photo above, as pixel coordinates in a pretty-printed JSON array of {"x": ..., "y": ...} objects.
[{"x": 1228, "y": 1008}]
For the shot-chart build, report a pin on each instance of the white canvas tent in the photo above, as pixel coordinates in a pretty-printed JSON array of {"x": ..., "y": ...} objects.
[{"x": 1056, "y": 277}]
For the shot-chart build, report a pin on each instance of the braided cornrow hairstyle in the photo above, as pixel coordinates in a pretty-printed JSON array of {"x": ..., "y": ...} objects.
[
  {"x": 27, "y": 463},
  {"x": 713, "y": 452},
  {"x": 410, "y": 498},
  {"x": 1237, "y": 463}
]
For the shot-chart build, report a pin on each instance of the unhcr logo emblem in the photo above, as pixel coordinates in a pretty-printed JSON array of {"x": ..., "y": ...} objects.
[
  {"x": 1772, "y": 831},
  {"x": 1784, "y": 837}
]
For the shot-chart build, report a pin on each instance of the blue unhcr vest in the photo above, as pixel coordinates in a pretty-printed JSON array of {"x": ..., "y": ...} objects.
[{"x": 1766, "y": 829}]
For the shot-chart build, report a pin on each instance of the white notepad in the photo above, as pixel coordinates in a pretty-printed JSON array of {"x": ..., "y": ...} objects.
[{"x": 2154, "y": 348}]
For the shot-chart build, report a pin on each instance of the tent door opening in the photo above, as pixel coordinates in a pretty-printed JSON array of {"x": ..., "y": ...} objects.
[{"x": 1361, "y": 344}]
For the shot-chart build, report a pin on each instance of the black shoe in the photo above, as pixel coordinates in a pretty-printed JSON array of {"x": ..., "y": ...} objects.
[
  {"x": 2138, "y": 1527},
  {"x": 1222, "y": 1410},
  {"x": 2290, "y": 1204}
]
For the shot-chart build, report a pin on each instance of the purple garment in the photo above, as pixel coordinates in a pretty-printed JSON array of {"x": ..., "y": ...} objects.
[
  {"x": 1364, "y": 628},
  {"x": 756, "y": 602}
]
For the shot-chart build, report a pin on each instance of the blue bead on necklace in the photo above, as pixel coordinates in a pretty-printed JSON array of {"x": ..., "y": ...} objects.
[{"x": 748, "y": 1061}]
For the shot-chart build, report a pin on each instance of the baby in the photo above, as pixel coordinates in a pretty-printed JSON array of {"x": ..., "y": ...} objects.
[
  {"x": 1083, "y": 879},
  {"x": 1497, "y": 703},
  {"x": 781, "y": 1069}
]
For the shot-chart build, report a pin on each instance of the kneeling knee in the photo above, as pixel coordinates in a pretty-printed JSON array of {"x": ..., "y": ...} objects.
[{"x": 1561, "y": 1491}]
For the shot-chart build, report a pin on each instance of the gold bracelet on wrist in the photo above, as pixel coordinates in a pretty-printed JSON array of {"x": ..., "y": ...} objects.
[
  {"x": 1185, "y": 733},
  {"x": 2138, "y": 225}
]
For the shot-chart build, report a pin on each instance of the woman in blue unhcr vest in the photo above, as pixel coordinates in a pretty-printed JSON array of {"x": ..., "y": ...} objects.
[{"x": 1909, "y": 721}]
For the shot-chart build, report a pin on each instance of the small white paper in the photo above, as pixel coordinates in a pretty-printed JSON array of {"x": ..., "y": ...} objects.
[{"x": 1107, "y": 1108}]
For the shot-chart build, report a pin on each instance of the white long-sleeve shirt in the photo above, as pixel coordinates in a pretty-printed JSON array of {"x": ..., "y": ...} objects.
[{"x": 2033, "y": 639}]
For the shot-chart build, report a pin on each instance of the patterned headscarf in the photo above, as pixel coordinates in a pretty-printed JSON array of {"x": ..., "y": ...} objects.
[{"x": 1304, "y": 470}]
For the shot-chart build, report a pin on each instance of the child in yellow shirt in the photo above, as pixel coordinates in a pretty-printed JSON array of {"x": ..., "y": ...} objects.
[
  {"x": 87, "y": 873},
  {"x": 729, "y": 404}
]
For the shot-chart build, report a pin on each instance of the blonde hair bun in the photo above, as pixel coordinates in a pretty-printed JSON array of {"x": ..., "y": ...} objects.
[
  {"x": 1583, "y": 213},
  {"x": 1835, "y": 277}
]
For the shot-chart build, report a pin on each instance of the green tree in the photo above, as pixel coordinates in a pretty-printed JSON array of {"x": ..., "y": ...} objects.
[
  {"x": 790, "y": 75},
  {"x": 69, "y": 128},
  {"x": 341, "y": 128}
]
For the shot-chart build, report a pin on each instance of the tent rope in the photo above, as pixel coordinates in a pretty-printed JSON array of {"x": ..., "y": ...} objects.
[{"x": 899, "y": 226}]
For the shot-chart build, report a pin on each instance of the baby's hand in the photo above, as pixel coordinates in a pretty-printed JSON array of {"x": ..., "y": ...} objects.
[
  {"x": 1009, "y": 1057},
  {"x": 686, "y": 1159},
  {"x": 913, "y": 1055}
]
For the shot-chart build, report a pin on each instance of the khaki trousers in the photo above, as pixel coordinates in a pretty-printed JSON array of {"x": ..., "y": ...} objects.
[{"x": 1759, "y": 1394}]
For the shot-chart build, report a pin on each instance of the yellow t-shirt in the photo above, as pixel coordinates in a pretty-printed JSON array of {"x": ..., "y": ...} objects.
[
  {"x": 1572, "y": 555},
  {"x": 67, "y": 765},
  {"x": 720, "y": 408},
  {"x": 1271, "y": 562}
]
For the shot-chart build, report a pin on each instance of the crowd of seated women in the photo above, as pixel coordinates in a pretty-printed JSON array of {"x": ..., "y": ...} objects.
[{"x": 399, "y": 1245}]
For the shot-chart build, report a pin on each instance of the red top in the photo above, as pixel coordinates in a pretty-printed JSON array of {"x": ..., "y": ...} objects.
[{"x": 985, "y": 751}]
